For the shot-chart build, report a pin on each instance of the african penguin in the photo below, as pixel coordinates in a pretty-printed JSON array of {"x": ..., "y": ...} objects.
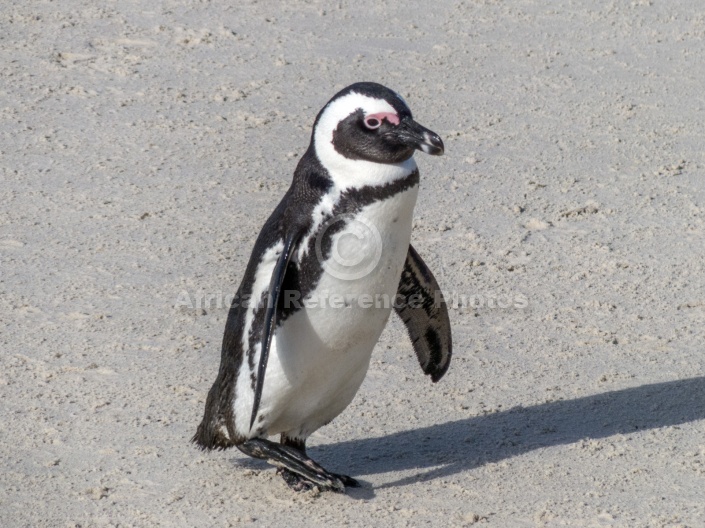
[{"x": 328, "y": 267}]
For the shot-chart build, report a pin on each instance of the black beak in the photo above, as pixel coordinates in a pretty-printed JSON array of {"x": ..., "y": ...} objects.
[{"x": 410, "y": 133}]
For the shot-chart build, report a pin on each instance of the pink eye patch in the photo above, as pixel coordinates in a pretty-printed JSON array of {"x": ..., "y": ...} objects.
[{"x": 389, "y": 116}]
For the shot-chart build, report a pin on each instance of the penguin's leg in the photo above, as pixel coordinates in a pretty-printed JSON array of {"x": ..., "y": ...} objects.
[
  {"x": 295, "y": 461},
  {"x": 294, "y": 480},
  {"x": 298, "y": 482}
]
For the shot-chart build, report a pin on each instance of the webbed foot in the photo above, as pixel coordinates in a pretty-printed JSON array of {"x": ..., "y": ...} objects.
[
  {"x": 294, "y": 480},
  {"x": 294, "y": 461}
]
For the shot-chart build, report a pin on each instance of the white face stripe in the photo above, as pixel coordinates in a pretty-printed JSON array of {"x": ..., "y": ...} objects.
[{"x": 345, "y": 172}]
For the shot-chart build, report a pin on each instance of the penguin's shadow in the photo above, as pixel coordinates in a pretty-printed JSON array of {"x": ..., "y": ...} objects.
[{"x": 453, "y": 447}]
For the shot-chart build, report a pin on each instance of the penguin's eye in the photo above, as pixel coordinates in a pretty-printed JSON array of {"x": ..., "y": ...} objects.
[{"x": 372, "y": 122}]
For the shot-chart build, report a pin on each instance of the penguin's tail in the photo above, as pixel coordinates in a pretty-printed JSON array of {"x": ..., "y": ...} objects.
[
  {"x": 216, "y": 430},
  {"x": 209, "y": 437}
]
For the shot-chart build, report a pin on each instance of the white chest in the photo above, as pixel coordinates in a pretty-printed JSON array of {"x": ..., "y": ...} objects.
[
  {"x": 320, "y": 356},
  {"x": 360, "y": 276}
]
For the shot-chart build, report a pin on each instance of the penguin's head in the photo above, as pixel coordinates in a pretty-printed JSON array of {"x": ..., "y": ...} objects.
[{"x": 369, "y": 122}]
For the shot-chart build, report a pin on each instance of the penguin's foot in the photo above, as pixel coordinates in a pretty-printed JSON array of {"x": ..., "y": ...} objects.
[
  {"x": 349, "y": 482},
  {"x": 307, "y": 472},
  {"x": 294, "y": 480},
  {"x": 299, "y": 483}
]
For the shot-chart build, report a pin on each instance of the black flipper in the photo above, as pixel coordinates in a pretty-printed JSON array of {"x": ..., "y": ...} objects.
[
  {"x": 275, "y": 287},
  {"x": 422, "y": 308}
]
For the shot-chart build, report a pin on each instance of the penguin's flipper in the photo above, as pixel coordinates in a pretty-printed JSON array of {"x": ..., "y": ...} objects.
[
  {"x": 421, "y": 307},
  {"x": 275, "y": 286}
]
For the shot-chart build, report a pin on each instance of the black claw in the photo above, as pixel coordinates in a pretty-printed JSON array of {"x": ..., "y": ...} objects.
[{"x": 348, "y": 482}]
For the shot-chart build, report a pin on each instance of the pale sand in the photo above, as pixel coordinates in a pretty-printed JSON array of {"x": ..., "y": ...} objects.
[{"x": 143, "y": 146}]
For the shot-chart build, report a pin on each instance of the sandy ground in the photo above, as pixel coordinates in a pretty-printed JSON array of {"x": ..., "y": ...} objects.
[{"x": 144, "y": 143}]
